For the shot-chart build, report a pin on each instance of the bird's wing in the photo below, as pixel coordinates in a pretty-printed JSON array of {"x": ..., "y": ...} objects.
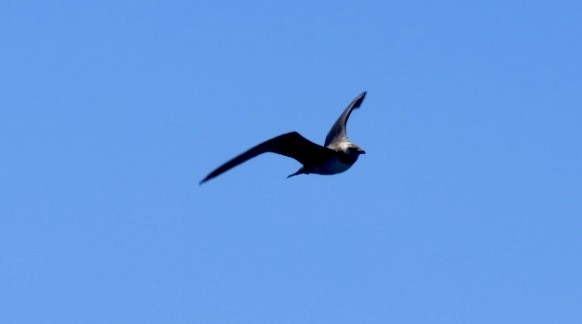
[
  {"x": 291, "y": 144},
  {"x": 338, "y": 131}
]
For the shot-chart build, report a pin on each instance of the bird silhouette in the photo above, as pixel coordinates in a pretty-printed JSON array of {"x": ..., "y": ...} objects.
[{"x": 337, "y": 155}]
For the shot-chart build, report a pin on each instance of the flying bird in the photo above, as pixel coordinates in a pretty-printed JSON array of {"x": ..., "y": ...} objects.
[{"x": 337, "y": 155}]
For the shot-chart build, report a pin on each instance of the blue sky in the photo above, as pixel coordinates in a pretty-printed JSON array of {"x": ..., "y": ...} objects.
[{"x": 465, "y": 209}]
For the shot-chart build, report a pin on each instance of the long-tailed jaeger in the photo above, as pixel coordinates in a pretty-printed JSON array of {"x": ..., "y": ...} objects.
[{"x": 337, "y": 155}]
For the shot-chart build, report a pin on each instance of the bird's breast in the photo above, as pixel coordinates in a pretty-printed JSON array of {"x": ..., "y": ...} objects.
[{"x": 333, "y": 166}]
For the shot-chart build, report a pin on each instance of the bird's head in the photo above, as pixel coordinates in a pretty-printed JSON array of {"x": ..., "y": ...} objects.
[
  {"x": 356, "y": 149},
  {"x": 351, "y": 149}
]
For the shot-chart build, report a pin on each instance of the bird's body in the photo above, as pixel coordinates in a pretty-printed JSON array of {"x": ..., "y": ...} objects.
[
  {"x": 334, "y": 165},
  {"x": 341, "y": 160},
  {"x": 337, "y": 156}
]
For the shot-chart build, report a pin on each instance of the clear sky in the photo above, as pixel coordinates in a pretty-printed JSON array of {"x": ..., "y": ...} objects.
[{"x": 465, "y": 209}]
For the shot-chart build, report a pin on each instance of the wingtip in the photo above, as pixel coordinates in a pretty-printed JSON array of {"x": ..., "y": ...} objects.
[{"x": 359, "y": 99}]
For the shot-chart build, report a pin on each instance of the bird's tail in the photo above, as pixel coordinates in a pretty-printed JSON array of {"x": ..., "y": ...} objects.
[{"x": 300, "y": 171}]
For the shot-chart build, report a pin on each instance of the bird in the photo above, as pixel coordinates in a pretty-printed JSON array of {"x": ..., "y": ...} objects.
[{"x": 336, "y": 155}]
